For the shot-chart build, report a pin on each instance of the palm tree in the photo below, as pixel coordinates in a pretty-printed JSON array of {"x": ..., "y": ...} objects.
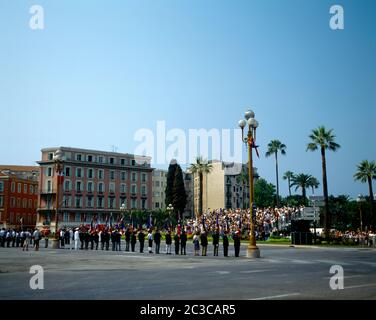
[
  {"x": 366, "y": 173},
  {"x": 314, "y": 184},
  {"x": 243, "y": 180},
  {"x": 273, "y": 147},
  {"x": 301, "y": 181},
  {"x": 288, "y": 176},
  {"x": 325, "y": 140},
  {"x": 201, "y": 167}
]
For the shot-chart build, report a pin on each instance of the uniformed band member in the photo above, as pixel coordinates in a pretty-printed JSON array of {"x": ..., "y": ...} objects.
[
  {"x": 127, "y": 239},
  {"x": 168, "y": 242},
  {"x": 237, "y": 238},
  {"x": 133, "y": 240},
  {"x": 204, "y": 243},
  {"x": 141, "y": 239},
  {"x": 183, "y": 243},
  {"x": 225, "y": 244},
  {"x": 157, "y": 240},
  {"x": 216, "y": 242},
  {"x": 150, "y": 241}
]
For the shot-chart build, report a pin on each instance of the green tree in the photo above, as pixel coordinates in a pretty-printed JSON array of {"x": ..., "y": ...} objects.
[
  {"x": 169, "y": 192},
  {"x": 301, "y": 181},
  {"x": 274, "y": 147},
  {"x": 314, "y": 184},
  {"x": 179, "y": 194},
  {"x": 288, "y": 176},
  {"x": 324, "y": 140},
  {"x": 201, "y": 167},
  {"x": 264, "y": 194},
  {"x": 243, "y": 180},
  {"x": 366, "y": 173}
]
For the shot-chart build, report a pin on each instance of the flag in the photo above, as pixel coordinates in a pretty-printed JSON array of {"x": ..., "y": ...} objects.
[
  {"x": 217, "y": 221},
  {"x": 21, "y": 220},
  {"x": 111, "y": 219},
  {"x": 60, "y": 177},
  {"x": 203, "y": 222},
  {"x": 150, "y": 222}
]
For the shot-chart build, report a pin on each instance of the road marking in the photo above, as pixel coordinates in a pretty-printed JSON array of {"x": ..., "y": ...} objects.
[
  {"x": 349, "y": 277},
  {"x": 254, "y": 271},
  {"x": 361, "y": 286},
  {"x": 277, "y": 297},
  {"x": 222, "y": 272}
]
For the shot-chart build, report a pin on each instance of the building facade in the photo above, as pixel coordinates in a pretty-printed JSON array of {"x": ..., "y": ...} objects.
[
  {"x": 222, "y": 187},
  {"x": 159, "y": 188},
  {"x": 95, "y": 185},
  {"x": 18, "y": 196}
]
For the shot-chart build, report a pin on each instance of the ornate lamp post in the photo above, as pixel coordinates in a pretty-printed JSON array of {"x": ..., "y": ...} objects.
[
  {"x": 170, "y": 209},
  {"x": 58, "y": 161},
  {"x": 250, "y": 140},
  {"x": 360, "y": 200}
]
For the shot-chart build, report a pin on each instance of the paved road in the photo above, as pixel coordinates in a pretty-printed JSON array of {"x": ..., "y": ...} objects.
[{"x": 281, "y": 273}]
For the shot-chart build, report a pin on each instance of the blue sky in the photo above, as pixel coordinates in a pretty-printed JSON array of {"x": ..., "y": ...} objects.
[{"x": 101, "y": 70}]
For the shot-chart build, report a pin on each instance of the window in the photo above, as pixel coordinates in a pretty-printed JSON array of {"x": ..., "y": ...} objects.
[
  {"x": 79, "y": 157},
  {"x": 157, "y": 184},
  {"x": 66, "y": 217},
  {"x": 49, "y": 172},
  {"x": 162, "y": 184},
  {"x": 100, "y": 174},
  {"x": 89, "y": 202},
  {"x": 1, "y": 186},
  {"x": 143, "y": 190},
  {"x": 50, "y": 156},
  {"x": 90, "y": 173},
  {"x": 111, "y": 202},
  {"x": 31, "y": 189},
  {"x": 77, "y": 217},
  {"x": 78, "y": 186},
  {"x": 100, "y": 159},
  {"x": 100, "y": 187},
  {"x": 122, "y": 162},
  {"x": 134, "y": 176},
  {"x": 143, "y": 177},
  {"x": 112, "y": 187},
  {"x": 67, "y": 185},
  {"x": 123, "y": 188},
  {"x": 90, "y": 186},
  {"x": 112, "y": 175},
  {"x": 133, "y": 162},
  {"x": 24, "y": 203},
  {"x": 67, "y": 171},
  {"x": 112, "y": 161},
  {"x": 19, "y": 187},
  {"x": 1, "y": 201},
  {"x": 30, "y": 204},
  {"x": 123, "y": 201},
  {"x": 143, "y": 204},
  {"x": 157, "y": 194},
  {"x": 25, "y": 188},
  {"x": 134, "y": 204},
  {"x": 67, "y": 201},
  {"x": 123, "y": 176},
  {"x": 134, "y": 189},
  {"x": 100, "y": 202},
  {"x": 12, "y": 202},
  {"x": 18, "y": 203},
  {"x": 90, "y": 158},
  {"x": 157, "y": 204},
  {"x": 13, "y": 187},
  {"x": 49, "y": 186},
  {"x": 79, "y": 173},
  {"x": 78, "y": 202}
]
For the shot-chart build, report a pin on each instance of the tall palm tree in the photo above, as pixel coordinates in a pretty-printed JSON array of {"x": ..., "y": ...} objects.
[
  {"x": 243, "y": 180},
  {"x": 288, "y": 176},
  {"x": 366, "y": 173},
  {"x": 201, "y": 167},
  {"x": 324, "y": 140},
  {"x": 301, "y": 181},
  {"x": 314, "y": 184},
  {"x": 273, "y": 148}
]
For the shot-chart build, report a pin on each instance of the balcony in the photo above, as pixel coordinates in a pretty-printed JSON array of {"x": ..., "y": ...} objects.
[
  {"x": 144, "y": 195},
  {"x": 47, "y": 191},
  {"x": 134, "y": 195}
]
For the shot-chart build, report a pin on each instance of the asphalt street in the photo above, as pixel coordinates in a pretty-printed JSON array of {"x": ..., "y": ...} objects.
[{"x": 281, "y": 273}]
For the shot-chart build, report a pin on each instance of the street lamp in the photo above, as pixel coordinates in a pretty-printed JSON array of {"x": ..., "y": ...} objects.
[
  {"x": 250, "y": 140},
  {"x": 170, "y": 209},
  {"x": 360, "y": 200},
  {"x": 58, "y": 162}
]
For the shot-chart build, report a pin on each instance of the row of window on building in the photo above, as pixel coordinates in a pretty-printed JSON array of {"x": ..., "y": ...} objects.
[
  {"x": 22, "y": 203},
  {"x": 99, "y": 173},
  {"x": 100, "y": 159},
  {"x": 101, "y": 202},
  {"x": 15, "y": 219},
  {"x": 21, "y": 188}
]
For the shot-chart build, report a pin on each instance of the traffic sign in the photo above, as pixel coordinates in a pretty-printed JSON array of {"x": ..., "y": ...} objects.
[{"x": 310, "y": 213}]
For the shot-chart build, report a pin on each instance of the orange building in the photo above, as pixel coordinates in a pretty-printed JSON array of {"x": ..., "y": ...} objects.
[{"x": 18, "y": 196}]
